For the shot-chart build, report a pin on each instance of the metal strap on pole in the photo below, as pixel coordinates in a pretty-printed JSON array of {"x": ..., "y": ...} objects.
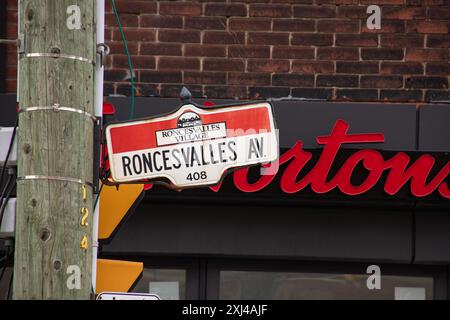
[
  {"x": 57, "y": 107},
  {"x": 9, "y": 41},
  {"x": 54, "y": 178},
  {"x": 58, "y": 55}
]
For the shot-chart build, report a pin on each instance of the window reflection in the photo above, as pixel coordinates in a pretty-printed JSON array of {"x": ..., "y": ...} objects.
[
  {"x": 169, "y": 284},
  {"x": 319, "y": 286}
]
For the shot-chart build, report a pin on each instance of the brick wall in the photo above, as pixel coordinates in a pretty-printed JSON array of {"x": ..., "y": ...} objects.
[
  {"x": 11, "y": 51},
  {"x": 276, "y": 48}
]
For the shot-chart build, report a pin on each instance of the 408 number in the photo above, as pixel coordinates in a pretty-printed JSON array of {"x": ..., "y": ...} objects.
[{"x": 196, "y": 176}]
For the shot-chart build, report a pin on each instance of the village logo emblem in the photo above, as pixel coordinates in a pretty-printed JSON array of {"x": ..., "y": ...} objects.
[{"x": 189, "y": 119}]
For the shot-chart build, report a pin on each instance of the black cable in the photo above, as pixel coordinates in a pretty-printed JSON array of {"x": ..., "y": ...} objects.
[
  {"x": 9, "y": 150},
  {"x": 5, "y": 202},
  {"x": 5, "y": 264},
  {"x": 10, "y": 286},
  {"x": 4, "y": 191}
]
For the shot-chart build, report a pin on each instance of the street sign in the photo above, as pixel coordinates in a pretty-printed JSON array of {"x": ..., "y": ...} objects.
[
  {"x": 127, "y": 296},
  {"x": 192, "y": 146}
]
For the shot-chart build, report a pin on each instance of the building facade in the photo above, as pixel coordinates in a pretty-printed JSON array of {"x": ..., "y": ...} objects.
[{"x": 317, "y": 62}]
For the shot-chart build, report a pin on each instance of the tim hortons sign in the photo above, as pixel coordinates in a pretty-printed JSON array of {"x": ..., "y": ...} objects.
[
  {"x": 193, "y": 146},
  {"x": 399, "y": 169}
]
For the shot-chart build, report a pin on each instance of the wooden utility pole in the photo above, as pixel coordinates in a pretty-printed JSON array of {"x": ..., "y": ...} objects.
[{"x": 53, "y": 252}]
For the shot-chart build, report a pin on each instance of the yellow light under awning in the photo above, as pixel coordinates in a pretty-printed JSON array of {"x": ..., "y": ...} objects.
[{"x": 117, "y": 275}]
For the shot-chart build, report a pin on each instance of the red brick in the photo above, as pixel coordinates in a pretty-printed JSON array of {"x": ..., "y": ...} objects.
[
  {"x": 205, "y": 23},
  {"x": 359, "y": 40},
  {"x": 353, "y": 12},
  {"x": 249, "y": 51},
  {"x": 338, "y": 54},
  {"x": 138, "y": 7},
  {"x": 401, "y": 95},
  {"x": 11, "y": 72},
  {"x": 264, "y": 65},
  {"x": 438, "y": 68},
  {"x": 225, "y": 92},
  {"x": 118, "y": 75},
  {"x": 109, "y": 89},
  {"x": 11, "y": 18},
  {"x": 11, "y": 5},
  {"x": 194, "y": 77},
  {"x": 427, "y": 55},
  {"x": 381, "y": 82},
  {"x": 312, "y": 39},
  {"x": 426, "y": 82},
  {"x": 428, "y": 27},
  {"x": 199, "y": 50},
  {"x": 401, "y": 41},
  {"x": 287, "y": 52},
  {"x": 401, "y": 68},
  {"x": 312, "y": 67},
  {"x": 270, "y": 10},
  {"x": 178, "y": 63},
  {"x": 338, "y": 26},
  {"x": 312, "y": 12},
  {"x": 11, "y": 55},
  {"x": 216, "y": 64},
  {"x": 357, "y": 67},
  {"x": 117, "y": 47},
  {"x": 173, "y": 91},
  {"x": 139, "y": 62},
  {"x": 10, "y": 85},
  {"x": 245, "y": 1},
  {"x": 268, "y": 92},
  {"x": 108, "y": 33},
  {"x": 161, "y": 49},
  {"x": 160, "y": 76},
  {"x": 223, "y": 37},
  {"x": 425, "y": 2},
  {"x": 250, "y": 24},
  {"x": 11, "y": 59},
  {"x": 180, "y": 8},
  {"x": 437, "y": 95},
  {"x": 338, "y": 2},
  {"x": 438, "y": 41},
  {"x": 356, "y": 94},
  {"x": 249, "y": 79},
  {"x": 11, "y": 30},
  {"x": 274, "y": 38},
  {"x": 140, "y": 89},
  {"x": 225, "y": 9},
  {"x": 157, "y": 21},
  {"x": 313, "y": 93},
  {"x": 293, "y": 80},
  {"x": 388, "y": 2},
  {"x": 293, "y": 25},
  {"x": 403, "y": 13},
  {"x": 387, "y": 26},
  {"x": 284, "y": 1},
  {"x": 337, "y": 81},
  {"x": 180, "y": 36},
  {"x": 439, "y": 13},
  {"x": 135, "y": 35},
  {"x": 381, "y": 54},
  {"x": 129, "y": 20}
]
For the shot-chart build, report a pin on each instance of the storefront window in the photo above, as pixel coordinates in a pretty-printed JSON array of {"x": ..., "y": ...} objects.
[
  {"x": 320, "y": 286},
  {"x": 169, "y": 284}
]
